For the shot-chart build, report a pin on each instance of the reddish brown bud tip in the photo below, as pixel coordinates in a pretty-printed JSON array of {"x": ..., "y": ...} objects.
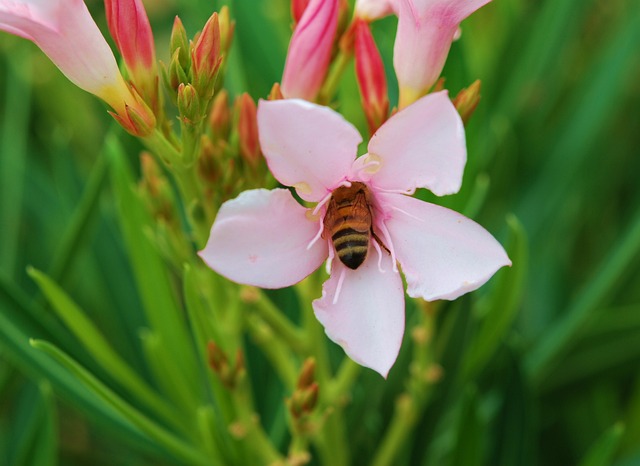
[
  {"x": 276, "y": 93},
  {"x": 220, "y": 116},
  {"x": 467, "y": 100},
  {"x": 248, "y": 129},
  {"x": 307, "y": 373}
]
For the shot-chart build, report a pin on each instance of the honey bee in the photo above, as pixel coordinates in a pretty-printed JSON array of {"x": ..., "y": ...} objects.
[{"x": 348, "y": 220}]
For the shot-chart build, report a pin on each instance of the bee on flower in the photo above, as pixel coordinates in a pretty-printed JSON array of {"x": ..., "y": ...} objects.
[{"x": 364, "y": 224}]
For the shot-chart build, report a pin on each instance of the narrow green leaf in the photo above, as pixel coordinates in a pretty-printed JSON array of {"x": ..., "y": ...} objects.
[
  {"x": 549, "y": 350},
  {"x": 469, "y": 433},
  {"x": 602, "y": 452},
  {"x": 501, "y": 306},
  {"x": 157, "y": 290},
  {"x": 177, "y": 447},
  {"x": 98, "y": 346},
  {"x": 45, "y": 447}
]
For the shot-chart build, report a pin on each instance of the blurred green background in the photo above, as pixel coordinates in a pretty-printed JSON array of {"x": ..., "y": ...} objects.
[{"x": 553, "y": 171}]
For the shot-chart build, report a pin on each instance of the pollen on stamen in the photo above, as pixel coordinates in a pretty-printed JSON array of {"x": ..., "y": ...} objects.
[{"x": 371, "y": 164}]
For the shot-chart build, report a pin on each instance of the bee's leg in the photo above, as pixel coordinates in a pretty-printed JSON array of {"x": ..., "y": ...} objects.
[{"x": 379, "y": 241}]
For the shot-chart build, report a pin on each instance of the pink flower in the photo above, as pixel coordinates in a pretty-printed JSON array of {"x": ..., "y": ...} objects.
[
  {"x": 267, "y": 239},
  {"x": 426, "y": 29},
  {"x": 310, "y": 50},
  {"x": 65, "y": 31},
  {"x": 131, "y": 31}
]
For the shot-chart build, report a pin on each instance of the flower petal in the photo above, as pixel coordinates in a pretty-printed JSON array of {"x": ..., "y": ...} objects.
[
  {"x": 422, "y": 146},
  {"x": 260, "y": 238},
  {"x": 65, "y": 31},
  {"x": 306, "y": 146},
  {"x": 367, "y": 319},
  {"x": 443, "y": 254},
  {"x": 374, "y": 9}
]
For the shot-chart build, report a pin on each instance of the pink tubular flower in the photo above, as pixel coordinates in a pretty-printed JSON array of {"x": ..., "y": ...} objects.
[
  {"x": 374, "y": 9},
  {"x": 310, "y": 50},
  {"x": 131, "y": 31},
  {"x": 426, "y": 29},
  {"x": 371, "y": 77},
  {"x": 65, "y": 31},
  {"x": 267, "y": 239}
]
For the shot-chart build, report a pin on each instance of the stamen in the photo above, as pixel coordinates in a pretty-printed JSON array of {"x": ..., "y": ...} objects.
[
  {"x": 389, "y": 244},
  {"x": 377, "y": 246},
  {"x": 330, "y": 259},
  {"x": 339, "y": 287},
  {"x": 321, "y": 204},
  {"x": 407, "y": 213},
  {"x": 317, "y": 237}
]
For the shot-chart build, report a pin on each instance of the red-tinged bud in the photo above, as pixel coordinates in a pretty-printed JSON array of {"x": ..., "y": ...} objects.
[
  {"x": 372, "y": 80},
  {"x": 217, "y": 358},
  {"x": 208, "y": 161},
  {"x": 310, "y": 398},
  {"x": 189, "y": 104},
  {"x": 176, "y": 74},
  {"x": 310, "y": 50},
  {"x": 138, "y": 119},
  {"x": 307, "y": 373},
  {"x": 467, "y": 100},
  {"x": 131, "y": 31},
  {"x": 248, "y": 129},
  {"x": 297, "y": 8},
  {"x": 227, "y": 28},
  {"x": 205, "y": 58},
  {"x": 220, "y": 116},
  {"x": 179, "y": 42},
  {"x": 276, "y": 93},
  {"x": 439, "y": 85}
]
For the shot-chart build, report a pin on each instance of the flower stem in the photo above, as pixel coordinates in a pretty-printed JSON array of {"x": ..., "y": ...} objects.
[{"x": 330, "y": 85}]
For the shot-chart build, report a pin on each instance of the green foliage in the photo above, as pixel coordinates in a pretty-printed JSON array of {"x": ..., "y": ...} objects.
[{"x": 100, "y": 325}]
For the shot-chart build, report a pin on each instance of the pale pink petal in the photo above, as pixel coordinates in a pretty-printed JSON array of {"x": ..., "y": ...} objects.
[
  {"x": 310, "y": 50},
  {"x": 442, "y": 253},
  {"x": 368, "y": 318},
  {"x": 260, "y": 238},
  {"x": 65, "y": 31},
  {"x": 307, "y": 146},
  {"x": 426, "y": 29},
  {"x": 374, "y": 9},
  {"x": 422, "y": 146}
]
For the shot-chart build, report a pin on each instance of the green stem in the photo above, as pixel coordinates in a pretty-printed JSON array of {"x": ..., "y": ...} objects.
[
  {"x": 330, "y": 85},
  {"x": 273, "y": 316}
]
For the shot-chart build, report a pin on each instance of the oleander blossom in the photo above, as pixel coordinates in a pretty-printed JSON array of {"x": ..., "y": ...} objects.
[{"x": 267, "y": 239}]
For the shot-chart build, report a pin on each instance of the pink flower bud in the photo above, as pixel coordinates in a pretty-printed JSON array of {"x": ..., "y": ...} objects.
[
  {"x": 205, "y": 58},
  {"x": 248, "y": 129},
  {"x": 373, "y": 9},
  {"x": 131, "y": 31},
  {"x": 297, "y": 9},
  {"x": 426, "y": 29},
  {"x": 371, "y": 77},
  {"x": 310, "y": 50}
]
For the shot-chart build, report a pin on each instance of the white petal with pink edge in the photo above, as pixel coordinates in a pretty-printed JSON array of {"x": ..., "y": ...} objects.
[
  {"x": 422, "y": 146},
  {"x": 261, "y": 237},
  {"x": 367, "y": 318},
  {"x": 443, "y": 254},
  {"x": 306, "y": 146}
]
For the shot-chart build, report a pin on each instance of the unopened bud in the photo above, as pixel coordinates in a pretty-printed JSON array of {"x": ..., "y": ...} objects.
[
  {"x": 180, "y": 44},
  {"x": 372, "y": 80},
  {"x": 276, "y": 93},
  {"x": 307, "y": 373},
  {"x": 467, "y": 100},
  {"x": 189, "y": 104},
  {"x": 248, "y": 129},
  {"x": 227, "y": 28},
  {"x": 220, "y": 116},
  {"x": 297, "y": 8},
  {"x": 175, "y": 74},
  {"x": 205, "y": 58}
]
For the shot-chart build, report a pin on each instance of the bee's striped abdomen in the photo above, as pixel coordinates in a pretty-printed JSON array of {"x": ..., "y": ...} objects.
[{"x": 348, "y": 220}]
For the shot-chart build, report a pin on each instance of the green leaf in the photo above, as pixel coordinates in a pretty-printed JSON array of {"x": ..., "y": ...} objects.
[
  {"x": 157, "y": 290},
  {"x": 177, "y": 447},
  {"x": 98, "y": 346},
  {"x": 602, "y": 452},
  {"x": 469, "y": 432},
  {"x": 499, "y": 309}
]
